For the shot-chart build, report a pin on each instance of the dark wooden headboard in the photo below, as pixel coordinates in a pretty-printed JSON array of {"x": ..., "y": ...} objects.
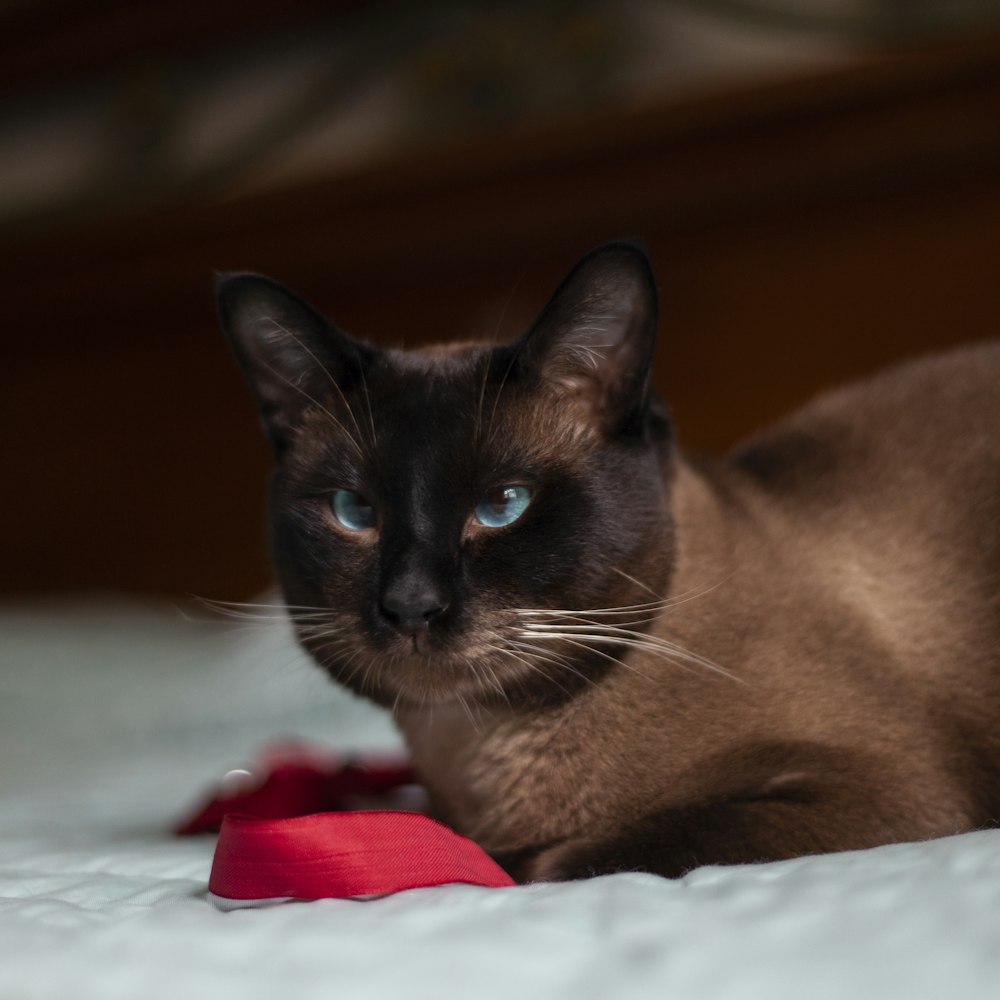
[{"x": 804, "y": 232}]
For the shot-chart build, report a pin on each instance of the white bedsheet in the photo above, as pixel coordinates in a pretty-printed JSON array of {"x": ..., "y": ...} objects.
[{"x": 112, "y": 718}]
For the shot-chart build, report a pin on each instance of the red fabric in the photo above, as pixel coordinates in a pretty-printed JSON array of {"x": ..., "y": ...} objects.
[
  {"x": 344, "y": 854},
  {"x": 279, "y": 837},
  {"x": 293, "y": 779}
]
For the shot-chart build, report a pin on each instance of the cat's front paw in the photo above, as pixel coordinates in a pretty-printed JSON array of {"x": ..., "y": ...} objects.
[{"x": 574, "y": 859}]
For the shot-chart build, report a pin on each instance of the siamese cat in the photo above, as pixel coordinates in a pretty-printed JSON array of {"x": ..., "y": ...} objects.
[{"x": 605, "y": 655}]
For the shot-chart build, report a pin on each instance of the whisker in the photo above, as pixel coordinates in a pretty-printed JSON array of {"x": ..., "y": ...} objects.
[
  {"x": 482, "y": 397},
  {"x": 578, "y": 620},
  {"x": 368, "y": 407},
  {"x": 503, "y": 383},
  {"x": 614, "y": 659},
  {"x": 631, "y": 640},
  {"x": 487, "y": 366},
  {"x": 553, "y": 658},
  {"x": 242, "y": 624},
  {"x": 624, "y": 609},
  {"x": 333, "y": 382},
  {"x": 216, "y": 604},
  {"x": 395, "y": 701},
  {"x": 336, "y": 423},
  {"x": 632, "y": 579},
  {"x": 694, "y": 594},
  {"x": 254, "y": 616},
  {"x": 535, "y": 668},
  {"x": 662, "y": 604},
  {"x": 465, "y": 708},
  {"x": 487, "y": 674}
]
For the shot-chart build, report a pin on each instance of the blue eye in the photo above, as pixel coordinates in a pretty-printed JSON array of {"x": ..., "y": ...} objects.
[
  {"x": 352, "y": 510},
  {"x": 503, "y": 506}
]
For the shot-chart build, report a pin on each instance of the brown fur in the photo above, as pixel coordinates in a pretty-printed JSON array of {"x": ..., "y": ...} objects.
[
  {"x": 844, "y": 568},
  {"x": 836, "y": 577}
]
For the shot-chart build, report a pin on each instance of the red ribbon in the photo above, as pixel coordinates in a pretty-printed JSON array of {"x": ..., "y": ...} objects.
[
  {"x": 373, "y": 852},
  {"x": 279, "y": 839}
]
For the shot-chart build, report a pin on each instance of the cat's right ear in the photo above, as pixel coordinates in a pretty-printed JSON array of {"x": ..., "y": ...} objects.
[{"x": 290, "y": 354}]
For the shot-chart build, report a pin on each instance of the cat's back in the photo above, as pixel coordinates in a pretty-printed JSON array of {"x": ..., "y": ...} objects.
[
  {"x": 920, "y": 435},
  {"x": 886, "y": 494}
]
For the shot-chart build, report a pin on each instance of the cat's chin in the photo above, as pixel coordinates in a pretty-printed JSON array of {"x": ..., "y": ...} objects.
[
  {"x": 412, "y": 678},
  {"x": 420, "y": 679}
]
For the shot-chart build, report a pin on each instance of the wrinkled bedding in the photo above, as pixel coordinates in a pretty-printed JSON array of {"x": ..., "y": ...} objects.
[{"x": 113, "y": 718}]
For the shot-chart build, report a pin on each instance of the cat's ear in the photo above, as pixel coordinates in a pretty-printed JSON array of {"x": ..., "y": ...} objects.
[
  {"x": 292, "y": 356},
  {"x": 594, "y": 340}
]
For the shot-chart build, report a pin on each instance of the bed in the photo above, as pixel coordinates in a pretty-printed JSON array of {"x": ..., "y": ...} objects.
[{"x": 116, "y": 716}]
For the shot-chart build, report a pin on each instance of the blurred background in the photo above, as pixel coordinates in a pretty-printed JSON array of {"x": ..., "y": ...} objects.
[{"x": 818, "y": 182}]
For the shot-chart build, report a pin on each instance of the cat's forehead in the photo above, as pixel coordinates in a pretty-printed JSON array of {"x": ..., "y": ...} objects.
[
  {"x": 451, "y": 402},
  {"x": 400, "y": 396},
  {"x": 439, "y": 354},
  {"x": 448, "y": 404},
  {"x": 438, "y": 365},
  {"x": 441, "y": 377}
]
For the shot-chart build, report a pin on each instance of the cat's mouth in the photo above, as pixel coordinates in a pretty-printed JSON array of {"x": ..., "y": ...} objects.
[
  {"x": 529, "y": 656},
  {"x": 496, "y": 666},
  {"x": 420, "y": 644}
]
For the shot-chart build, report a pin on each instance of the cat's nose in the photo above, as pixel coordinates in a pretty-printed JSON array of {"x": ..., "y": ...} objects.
[{"x": 412, "y": 604}]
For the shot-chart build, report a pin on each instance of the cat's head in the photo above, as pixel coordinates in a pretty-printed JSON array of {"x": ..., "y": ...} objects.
[{"x": 444, "y": 520}]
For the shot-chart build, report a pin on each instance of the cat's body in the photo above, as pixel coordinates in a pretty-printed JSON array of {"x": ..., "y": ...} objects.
[{"x": 657, "y": 663}]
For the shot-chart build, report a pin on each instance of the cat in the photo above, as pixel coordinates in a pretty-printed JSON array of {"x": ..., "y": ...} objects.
[{"x": 607, "y": 655}]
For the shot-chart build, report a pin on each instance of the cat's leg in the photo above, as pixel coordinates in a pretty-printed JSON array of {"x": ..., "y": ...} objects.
[
  {"x": 784, "y": 822},
  {"x": 677, "y": 840}
]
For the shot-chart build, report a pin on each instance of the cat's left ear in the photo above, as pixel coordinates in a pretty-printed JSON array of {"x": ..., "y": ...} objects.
[{"x": 594, "y": 341}]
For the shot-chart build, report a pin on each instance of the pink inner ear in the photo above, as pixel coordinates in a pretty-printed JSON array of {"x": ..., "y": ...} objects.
[
  {"x": 593, "y": 342},
  {"x": 593, "y": 362}
]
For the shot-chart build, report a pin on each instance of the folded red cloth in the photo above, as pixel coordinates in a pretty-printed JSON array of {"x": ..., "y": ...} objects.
[
  {"x": 293, "y": 779},
  {"x": 367, "y": 853},
  {"x": 279, "y": 838}
]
